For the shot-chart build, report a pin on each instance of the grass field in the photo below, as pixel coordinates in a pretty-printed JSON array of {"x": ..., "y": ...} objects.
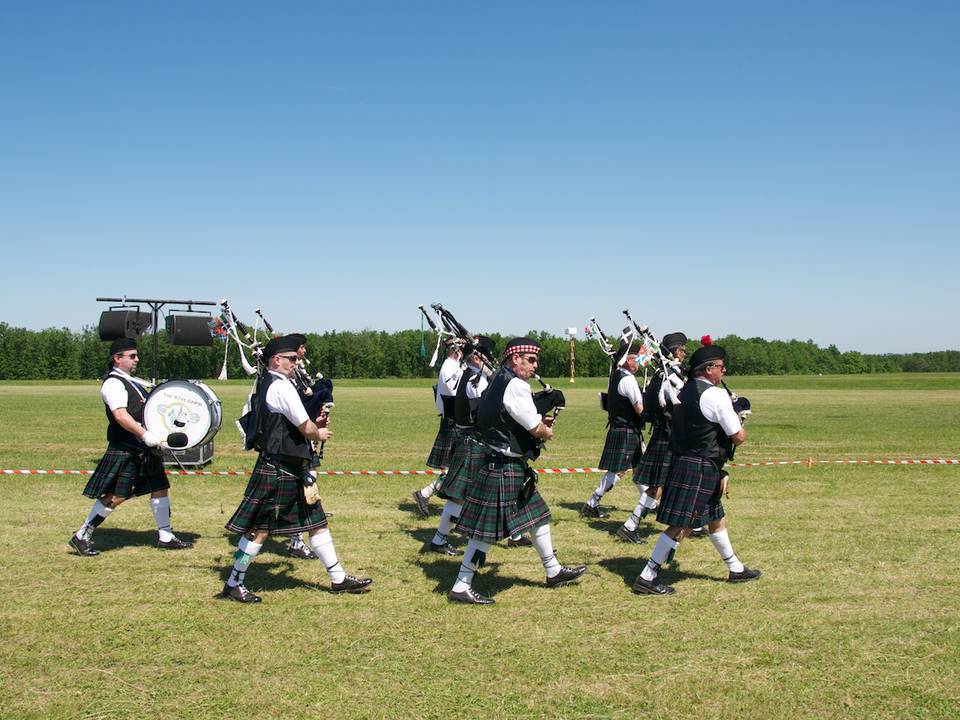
[{"x": 856, "y": 615}]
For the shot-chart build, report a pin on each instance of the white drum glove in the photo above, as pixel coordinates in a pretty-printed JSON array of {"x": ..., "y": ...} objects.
[{"x": 150, "y": 440}]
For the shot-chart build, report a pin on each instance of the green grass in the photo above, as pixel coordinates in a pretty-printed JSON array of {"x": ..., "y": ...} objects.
[{"x": 855, "y": 616}]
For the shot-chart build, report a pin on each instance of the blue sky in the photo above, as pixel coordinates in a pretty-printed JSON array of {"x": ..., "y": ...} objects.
[{"x": 783, "y": 170}]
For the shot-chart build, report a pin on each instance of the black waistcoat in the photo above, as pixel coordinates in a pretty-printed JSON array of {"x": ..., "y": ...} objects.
[
  {"x": 116, "y": 434},
  {"x": 279, "y": 438},
  {"x": 619, "y": 409},
  {"x": 692, "y": 433},
  {"x": 465, "y": 408},
  {"x": 498, "y": 428}
]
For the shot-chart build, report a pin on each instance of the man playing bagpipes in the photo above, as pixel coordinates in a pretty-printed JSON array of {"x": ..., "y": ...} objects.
[
  {"x": 276, "y": 499},
  {"x": 621, "y": 449},
  {"x": 659, "y": 398},
  {"x": 317, "y": 398},
  {"x": 504, "y": 499},
  {"x": 439, "y": 458},
  {"x": 466, "y": 457},
  {"x": 705, "y": 430},
  {"x": 132, "y": 464}
]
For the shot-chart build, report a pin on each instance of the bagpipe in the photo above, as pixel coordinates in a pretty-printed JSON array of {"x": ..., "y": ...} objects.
[
  {"x": 669, "y": 368},
  {"x": 546, "y": 400}
]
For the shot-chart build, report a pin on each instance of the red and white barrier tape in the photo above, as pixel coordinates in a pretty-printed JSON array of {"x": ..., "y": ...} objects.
[{"x": 809, "y": 462}]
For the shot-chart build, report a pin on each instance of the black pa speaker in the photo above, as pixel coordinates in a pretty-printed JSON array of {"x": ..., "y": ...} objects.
[
  {"x": 115, "y": 324},
  {"x": 189, "y": 329}
]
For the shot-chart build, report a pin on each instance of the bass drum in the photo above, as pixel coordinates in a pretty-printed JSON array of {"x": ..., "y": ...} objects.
[{"x": 183, "y": 406}]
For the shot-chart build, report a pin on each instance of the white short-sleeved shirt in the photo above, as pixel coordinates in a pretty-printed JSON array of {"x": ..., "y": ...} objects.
[
  {"x": 629, "y": 388},
  {"x": 475, "y": 391},
  {"x": 716, "y": 406},
  {"x": 450, "y": 373},
  {"x": 282, "y": 397},
  {"x": 114, "y": 393}
]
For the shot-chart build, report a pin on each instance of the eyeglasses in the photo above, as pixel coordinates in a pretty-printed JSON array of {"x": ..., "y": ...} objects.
[
  {"x": 723, "y": 368},
  {"x": 532, "y": 359},
  {"x": 132, "y": 356},
  {"x": 291, "y": 358}
]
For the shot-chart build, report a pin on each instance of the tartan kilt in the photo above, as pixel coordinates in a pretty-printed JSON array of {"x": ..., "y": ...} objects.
[
  {"x": 274, "y": 501},
  {"x": 443, "y": 445},
  {"x": 691, "y": 495},
  {"x": 493, "y": 509},
  {"x": 655, "y": 464},
  {"x": 621, "y": 450},
  {"x": 122, "y": 473},
  {"x": 466, "y": 462}
]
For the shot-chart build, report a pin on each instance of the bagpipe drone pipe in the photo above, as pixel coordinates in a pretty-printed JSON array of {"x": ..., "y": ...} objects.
[{"x": 547, "y": 400}]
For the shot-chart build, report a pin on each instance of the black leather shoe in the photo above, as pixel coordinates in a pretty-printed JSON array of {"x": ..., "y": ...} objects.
[
  {"x": 351, "y": 584},
  {"x": 588, "y": 511},
  {"x": 566, "y": 574},
  {"x": 423, "y": 504},
  {"x": 521, "y": 542},
  {"x": 174, "y": 544},
  {"x": 651, "y": 587},
  {"x": 745, "y": 575},
  {"x": 630, "y": 536},
  {"x": 470, "y": 597},
  {"x": 240, "y": 594},
  {"x": 83, "y": 547},
  {"x": 444, "y": 549},
  {"x": 302, "y": 552},
  {"x": 698, "y": 532}
]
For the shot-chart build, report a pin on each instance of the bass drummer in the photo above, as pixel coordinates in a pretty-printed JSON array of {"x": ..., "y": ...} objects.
[{"x": 132, "y": 464}]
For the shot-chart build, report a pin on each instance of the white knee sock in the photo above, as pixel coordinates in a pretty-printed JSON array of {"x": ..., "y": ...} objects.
[
  {"x": 246, "y": 551},
  {"x": 296, "y": 542},
  {"x": 665, "y": 544},
  {"x": 448, "y": 518},
  {"x": 606, "y": 485},
  {"x": 473, "y": 558},
  {"x": 721, "y": 541},
  {"x": 322, "y": 544},
  {"x": 633, "y": 521},
  {"x": 432, "y": 486},
  {"x": 97, "y": 515},
  {"x": 161, "y": 513},
  {"x": 543, "y": 542}
]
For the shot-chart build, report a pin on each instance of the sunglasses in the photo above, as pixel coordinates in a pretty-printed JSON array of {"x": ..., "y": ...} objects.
[
  {"x": 532, "y": 359},
  {"x": 291, "y": 358}
]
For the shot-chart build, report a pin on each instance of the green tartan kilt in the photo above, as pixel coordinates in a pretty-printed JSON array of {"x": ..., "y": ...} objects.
[
  {"x": 126, "y": 473},
  {"x": 493, "y": 508},
  {"x": 655, "y": 464},
  {"x": 466, "y": 462},
  {"x": 274, "y": 501},
  {"x": 691, "y": 495},
  {"x": 621, "y": 449},
  {"x": 443, "y": 445}
]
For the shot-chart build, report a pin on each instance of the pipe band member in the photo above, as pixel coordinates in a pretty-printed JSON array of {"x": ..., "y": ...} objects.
[
  {"x": 132, "y": 464},
  {"x": 504, "y": 499},
  {"x": 659, "y": 398},
  {"x": 274, "y": 501},
  {"x": 446, "y": 389},
  {"x": 622, "y": 447},
  {"x": 704, "y": 429}
]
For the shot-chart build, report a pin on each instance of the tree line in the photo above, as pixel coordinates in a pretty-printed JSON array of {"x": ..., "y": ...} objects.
[{"x": 62, "y": 354}]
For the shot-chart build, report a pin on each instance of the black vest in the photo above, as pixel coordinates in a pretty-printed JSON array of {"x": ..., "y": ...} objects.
[
  {"x": 620, "y": 410},
  {"x": 279, "y": 438},
  {"x": 498, "y": 428},
  {"x": 465, "y": 408},
  {"x": 692, "y": 433},
  {"x": 117, "y": 435}
]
